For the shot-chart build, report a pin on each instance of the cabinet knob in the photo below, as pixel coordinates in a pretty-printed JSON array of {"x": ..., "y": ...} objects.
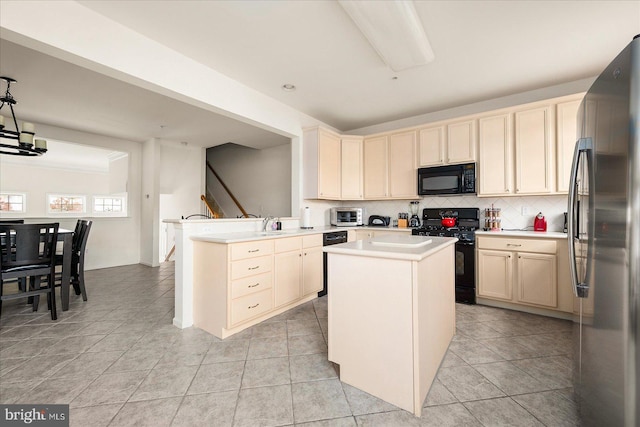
[
  {"x": 254, "y": 250},
  {"x": 253, "y": 306},
  {"x": 253, "y": 286},
  {"x": 254, "y": 268}
]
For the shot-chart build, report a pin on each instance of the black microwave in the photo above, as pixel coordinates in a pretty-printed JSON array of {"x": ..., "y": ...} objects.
[{"x": 444, "y": 180}]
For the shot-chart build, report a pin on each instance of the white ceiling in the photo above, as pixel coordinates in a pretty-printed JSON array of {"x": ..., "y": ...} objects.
[{"x": 483, "y": 50}]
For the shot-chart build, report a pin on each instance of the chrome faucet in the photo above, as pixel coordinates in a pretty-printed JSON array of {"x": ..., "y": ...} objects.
[{"x": 265, "y": 222}]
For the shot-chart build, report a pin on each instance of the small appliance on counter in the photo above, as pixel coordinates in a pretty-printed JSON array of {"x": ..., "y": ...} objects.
[
  {"x": 414, "y": 208},
  {"x": 379, "y": 221},
  {"x": 346, "y": 217},
  {"x": 540, "y": 223}
]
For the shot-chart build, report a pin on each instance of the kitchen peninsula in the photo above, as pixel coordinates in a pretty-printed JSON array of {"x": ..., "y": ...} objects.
[{"x": 391, "y": 314}]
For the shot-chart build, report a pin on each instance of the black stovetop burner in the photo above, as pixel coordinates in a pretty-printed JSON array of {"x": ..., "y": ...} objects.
[{"x": 467, "y": 222}]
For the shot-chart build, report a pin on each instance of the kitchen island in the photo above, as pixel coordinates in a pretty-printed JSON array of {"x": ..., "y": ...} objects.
[{"x": 391, "y": 309}]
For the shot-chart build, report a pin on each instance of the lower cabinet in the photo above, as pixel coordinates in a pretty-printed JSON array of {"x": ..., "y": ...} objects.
[
  {"x": 516, "y": 270},
  {"x": 237, "y": 285},
  {"x": 369, "y": 233}
]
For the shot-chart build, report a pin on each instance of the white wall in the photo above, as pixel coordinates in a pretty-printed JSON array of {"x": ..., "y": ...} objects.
[
  {"x": 259, "y": 179},
  {"x": 180, "y": 187}
]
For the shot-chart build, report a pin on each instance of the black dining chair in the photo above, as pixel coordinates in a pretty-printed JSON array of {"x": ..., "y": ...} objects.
[
  {"x": 78, "y": 245},
  {"x": 28, "y": 252}
]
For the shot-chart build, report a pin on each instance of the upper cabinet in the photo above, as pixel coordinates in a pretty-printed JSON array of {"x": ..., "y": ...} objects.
[
  {"x": 533, "y": 150},
  {"x": 566, "y": 136},
  {"x": 376, "y": 169},
  {"x": 403, "y": 180},
  {"x": 447, "y": 143},
  {"x": 522, "y": 150},
  {"x": 351, "y": 168},
  {"x": 495, "y": 168},
  {"x": 527, "y": 150},
  {"x": 322, "y": 153},
  {"x": 390, "y": 166}
]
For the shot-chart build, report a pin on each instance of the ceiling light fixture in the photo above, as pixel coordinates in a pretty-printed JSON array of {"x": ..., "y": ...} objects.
[
  {"x": 288, "y": 87},
  {"x": 21, "y": 143},
  {"x": 394, "y": 30}
]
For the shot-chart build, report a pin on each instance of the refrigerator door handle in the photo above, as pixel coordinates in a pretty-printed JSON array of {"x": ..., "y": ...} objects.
[{"x": 582, "y": 145}]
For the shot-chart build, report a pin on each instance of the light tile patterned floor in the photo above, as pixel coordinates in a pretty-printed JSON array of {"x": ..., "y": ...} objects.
[{"x": 118, "y": 361}]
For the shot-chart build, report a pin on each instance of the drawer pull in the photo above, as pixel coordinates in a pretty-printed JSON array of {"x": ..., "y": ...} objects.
[
  {"x": 253, "y": 268},
  {"x": 514, "y": 245},
  {"x": 253, "y": 251},
  {"x": 253, "y": 286},
  {"x": 253, "y": 306}
]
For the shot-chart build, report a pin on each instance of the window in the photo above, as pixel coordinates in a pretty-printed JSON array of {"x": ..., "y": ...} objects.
[
  {"x": 110, "y": 205},
  {"x": 61, "y": 203},
  {"x": 13, "y": 202}
]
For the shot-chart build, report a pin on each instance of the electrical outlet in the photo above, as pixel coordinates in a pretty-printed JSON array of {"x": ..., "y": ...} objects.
[
  {"x": 207, "y": 229},
  {"x": 525, "y": 211}
]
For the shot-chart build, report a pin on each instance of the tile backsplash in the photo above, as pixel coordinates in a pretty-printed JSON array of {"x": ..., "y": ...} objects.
[{"x": 517, "y": 213}]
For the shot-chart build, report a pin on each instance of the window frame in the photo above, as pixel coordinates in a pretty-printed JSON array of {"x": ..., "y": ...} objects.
[
  {"x": 49, "y": 196},
  {"x": 15, "y": 193},
  {"x": 122, "y": 213}
]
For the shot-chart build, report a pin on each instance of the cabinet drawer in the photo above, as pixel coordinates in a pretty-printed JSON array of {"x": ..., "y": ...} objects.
[
  {"x": 312, "y": 240},
  {"x": 545, "y": 246},
  {"x": 252, "y": 305},
  {"x": 250, "y": 267},
  {"x": 251, "y": 249},
  {"x": 250, "y": 285},
  {"x": 288, "y": 244}
]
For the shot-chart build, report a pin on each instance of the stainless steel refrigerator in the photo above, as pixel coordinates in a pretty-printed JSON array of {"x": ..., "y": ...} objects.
[{"x": 604, "y": 245}]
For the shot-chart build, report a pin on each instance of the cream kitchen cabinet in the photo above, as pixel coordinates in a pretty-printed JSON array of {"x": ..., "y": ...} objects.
[
  {"x": 515, "y": 162},
  {"x": 322, "y": 153},
  {"x": 447, "y": 143},
  {"x": 533, "y": 145},
  {"x": 521, "y": 271},
  {"x": 237, "y": 285},
  {"x": 351, "y": 168},
  {"x": 297, "y": 267},
  {"x": 495, "y": 168},
  {"x": 566, "y": 137},
  {"x": 402, "y": 165},
  {"x": 390, "y": 166},
  {"x": 376, "y": 167}
]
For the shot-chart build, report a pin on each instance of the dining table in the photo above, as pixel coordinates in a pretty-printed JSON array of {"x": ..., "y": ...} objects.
[{"x": 65, "y": 245}]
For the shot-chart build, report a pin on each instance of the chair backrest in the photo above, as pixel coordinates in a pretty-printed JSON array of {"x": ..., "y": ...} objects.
[
  {"x": 27, "y": 244},
  {"x": 81, "y": 235}
]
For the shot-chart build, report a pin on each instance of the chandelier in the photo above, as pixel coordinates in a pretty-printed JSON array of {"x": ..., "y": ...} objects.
[{"x": 18, "y": 143}]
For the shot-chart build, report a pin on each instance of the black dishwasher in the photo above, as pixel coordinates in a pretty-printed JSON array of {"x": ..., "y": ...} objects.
[{"x": 330, "y": 238}]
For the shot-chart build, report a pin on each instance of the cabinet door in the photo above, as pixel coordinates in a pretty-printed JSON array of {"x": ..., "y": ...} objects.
[
  {"x": 287, "y": 277},
  {"x": 533, "y": 149},
  {"x": 537, "y": 279},
  {"x": 495, "y": 270},
  {"x": 461, "y": 142},
  {"x": 567, "y": 130},
  {"x": 376, "y": 173},
  {"x": 328, "y": 166},
  {"x": 403, "y": 181},
  {"x": 363, "y": 234},
  {"x": 495, "y": 168},
  {"x": 432, "y": 146},
  {"x": 351, "y": 168},
  {"x": 312, "y": 270}
]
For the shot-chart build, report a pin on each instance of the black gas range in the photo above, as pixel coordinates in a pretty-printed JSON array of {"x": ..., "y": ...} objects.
[{"x": 467, "y": 221}]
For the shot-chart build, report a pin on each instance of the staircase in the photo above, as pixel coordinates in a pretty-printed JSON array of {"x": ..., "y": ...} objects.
[{"x": 212, "y": 206}]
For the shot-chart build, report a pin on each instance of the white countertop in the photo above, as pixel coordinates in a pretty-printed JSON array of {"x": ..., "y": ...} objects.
[
  {"x": 377, "y": 248},
  {"x": 520, "y": 233},
  {"x": 247, "y": 236}
]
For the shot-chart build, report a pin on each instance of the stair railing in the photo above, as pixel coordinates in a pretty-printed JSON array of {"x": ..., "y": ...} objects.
[{"x": 244, "y": 213}]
